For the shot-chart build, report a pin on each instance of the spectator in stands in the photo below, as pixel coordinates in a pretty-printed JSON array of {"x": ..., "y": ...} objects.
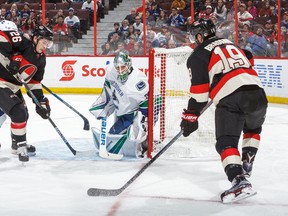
[
  {"x": 230, "y": 13},
  {"x": 59, "y": 13},
  {"x": 121, "y": 48},
  {"x": 155, "y": 10},
  {"x": 124, "y": 29},
  {"x": 252, "y": 9},
  {"x": 100, "y": 9},
  {"x": 150, "y": 19},
  {"x": 131, "y": 31},
  {"x": 106, "y": 49},
  {"x": 220, "y": 11},
  {"x": 139, "y": 10},
  {"x": 33, "y": 16},
  {"x": 138, "y": 24},
  {"x": 148, "y": 46},
  {"x": 284, "y": 21},
  {"x": 114, "y": 41},
  {"x": 188, "y": 24},
  {"x": 168, "y": 35},
  {"x": 130, "y": 47},
  {"x": 12, "y": 16},
  {"x": 171, "y": 44},
  {"x": 257, "y": 43},
  {"x": 73, "y": 23},
  {"x": 271, "y": 37},
  {"x": 137, "y": 34},
  {"x": 187, "y": 41},
  {"x": 175, "y": 19},
  {"x": 162, "y": 19},
  {"x": 3, "y": 13},
  {"x": 283, "y": 41},
  {"x": 244, "y": 17},
  {"x": 152, "y": 37},
  {"x": 179, "y": 4},
  {"x": 138, "y": 49},
  {"x": 244, "y": 35},
  {"x": 49, "y": 22},
  {"x": 28, "y": 26},
  {"x": 208, "y": 13},
  {"x": 89, "y": 5},
  {"x": 116, "y": 30},
  {"x": 265, "y": 11},
  {"x": 13, "y": 7},
  {"x": 26, "y": 11},
  {"x": 132, "y": 16},
  {"x": 60, "y": 31}
]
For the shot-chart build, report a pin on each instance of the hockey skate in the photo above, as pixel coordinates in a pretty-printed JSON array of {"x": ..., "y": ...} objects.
[
  {"x": 247, "y": 163},
  {"x": 241, "y": 189},
  {"x": 22, "y": 152},
  {"x": 31, "y": 150}
]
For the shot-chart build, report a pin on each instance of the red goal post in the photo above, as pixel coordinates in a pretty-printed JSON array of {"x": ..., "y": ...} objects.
[{"x": 169, "y": 85}]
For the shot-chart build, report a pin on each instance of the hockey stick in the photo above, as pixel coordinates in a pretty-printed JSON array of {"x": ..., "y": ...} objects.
[
  {"x": 116, "y": 192},
  {"x": 50, "y": 120},
  {"x": 86, "y": 122},
  {"x": 103, "y": 144}
]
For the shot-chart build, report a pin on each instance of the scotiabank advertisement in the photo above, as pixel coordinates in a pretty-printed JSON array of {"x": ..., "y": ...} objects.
[
  {"x": 89, "y": 73},
  {"x": 81, "y": 72}
]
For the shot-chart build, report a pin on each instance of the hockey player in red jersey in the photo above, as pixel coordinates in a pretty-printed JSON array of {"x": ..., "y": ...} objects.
[
  {"x": 22, "y": 56},
  {"x": 222, "y": 72}
]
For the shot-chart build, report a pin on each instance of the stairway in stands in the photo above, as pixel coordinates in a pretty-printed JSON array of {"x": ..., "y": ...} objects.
[{"x": 104, "y": 27}]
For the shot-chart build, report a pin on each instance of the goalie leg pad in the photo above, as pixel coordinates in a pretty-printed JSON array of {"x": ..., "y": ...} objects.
[{"x": 118, "y": 144}]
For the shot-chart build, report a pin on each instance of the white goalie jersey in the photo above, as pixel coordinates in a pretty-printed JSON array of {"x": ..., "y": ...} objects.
[{"x": 122, "y": 98}]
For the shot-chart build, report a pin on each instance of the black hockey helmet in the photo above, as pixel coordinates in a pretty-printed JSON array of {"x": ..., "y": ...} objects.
[
  {"x": 204, "y": 27},
  {"x": 43, "y": 31}
]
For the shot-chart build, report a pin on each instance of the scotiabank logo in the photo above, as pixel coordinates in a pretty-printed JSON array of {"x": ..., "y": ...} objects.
[{"x": 68, "y": 70}]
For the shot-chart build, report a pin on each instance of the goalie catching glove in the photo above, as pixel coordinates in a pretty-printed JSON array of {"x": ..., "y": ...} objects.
[
  {"x": 189, "y": 122},
  {"x": 44, "y": 110}
]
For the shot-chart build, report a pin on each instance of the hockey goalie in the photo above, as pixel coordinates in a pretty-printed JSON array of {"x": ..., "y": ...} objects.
[{"x": 124, "y": 98}]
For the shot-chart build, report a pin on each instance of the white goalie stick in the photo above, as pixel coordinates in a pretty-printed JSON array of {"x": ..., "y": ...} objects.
[
  {"x": 116, "y": 192},
  {"x": 103, "y": 144}
]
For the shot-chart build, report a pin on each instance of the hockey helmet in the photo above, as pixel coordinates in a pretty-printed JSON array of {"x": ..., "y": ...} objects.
[
  {"x": 122, "y": 63},
  {"x": 41, "y": 32},
  {"x": 204, "y": 27},
  {"x": 6, "y": 25}
]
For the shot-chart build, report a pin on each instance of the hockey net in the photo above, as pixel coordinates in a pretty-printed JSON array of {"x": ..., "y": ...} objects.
[{"x": 169, "y": 85}]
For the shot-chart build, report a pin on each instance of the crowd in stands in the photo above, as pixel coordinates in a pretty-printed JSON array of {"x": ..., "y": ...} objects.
[
  {"x": 62, "y": 20},
  {"x": 168, "y": 25}
]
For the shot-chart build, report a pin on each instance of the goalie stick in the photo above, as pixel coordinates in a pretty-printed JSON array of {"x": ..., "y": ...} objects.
[
  {"x": 74, "y": 152},
  {"x": 116, "y": 192},
  {"x": 86, "y": 122},
  {"x": 103, "y": 144}
]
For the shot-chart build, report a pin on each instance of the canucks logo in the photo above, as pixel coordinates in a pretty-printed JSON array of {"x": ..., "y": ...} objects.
[{"x": 140, "y": 85}]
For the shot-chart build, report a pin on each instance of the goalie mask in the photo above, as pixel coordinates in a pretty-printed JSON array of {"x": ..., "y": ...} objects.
[{"x": 122, "y": 64}]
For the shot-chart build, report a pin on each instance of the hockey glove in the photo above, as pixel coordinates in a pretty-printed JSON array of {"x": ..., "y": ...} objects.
[
  {"x": 13, "y": 67},
  {"x": 44, "y": 111},
  {"x": 189, "y": 122}
]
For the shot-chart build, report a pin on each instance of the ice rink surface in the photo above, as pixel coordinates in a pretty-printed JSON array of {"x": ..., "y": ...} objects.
[{"x": 55, "y": 182}]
